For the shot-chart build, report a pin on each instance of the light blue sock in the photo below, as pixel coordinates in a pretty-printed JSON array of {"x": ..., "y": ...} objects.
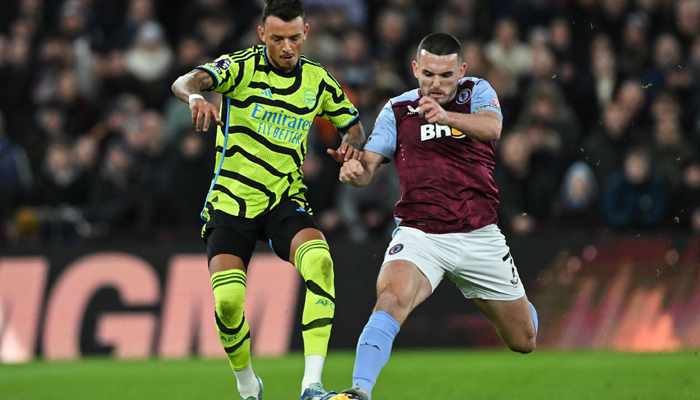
[
  {"x": 373, "y": 349},
  {"x": 534, "y": 316}
]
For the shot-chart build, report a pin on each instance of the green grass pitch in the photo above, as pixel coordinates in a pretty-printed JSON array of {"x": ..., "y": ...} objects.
[{"x": 414, "y": 375}]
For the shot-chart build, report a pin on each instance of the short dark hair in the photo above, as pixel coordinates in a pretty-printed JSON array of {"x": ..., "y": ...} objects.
[
  {"x": 440, "y": 44},
  {"x": 286, "y": 10}
]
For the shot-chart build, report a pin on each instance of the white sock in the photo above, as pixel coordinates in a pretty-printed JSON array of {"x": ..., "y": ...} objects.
[
  {"x": 247, "y": 383},
  {"x": 313, "y": 368}
]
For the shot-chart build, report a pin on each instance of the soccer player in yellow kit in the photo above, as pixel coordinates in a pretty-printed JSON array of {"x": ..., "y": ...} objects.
[{"x": 271, "y": 95}]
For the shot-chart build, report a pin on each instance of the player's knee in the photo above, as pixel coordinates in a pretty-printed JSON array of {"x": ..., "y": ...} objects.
[
  {"x": 229, "y": 307},
  {"x": 393, "y": 304},
  {"x": 317, "y": 265},
  {"x": 525, "y": 345}
]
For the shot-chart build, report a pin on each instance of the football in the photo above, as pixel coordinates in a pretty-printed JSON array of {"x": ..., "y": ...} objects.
[{"x": 345, "y": 396}]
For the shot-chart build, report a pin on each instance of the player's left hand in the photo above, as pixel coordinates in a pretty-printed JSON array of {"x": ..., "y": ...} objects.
[
  {"x": 432, "y": 111},
  {"x": 345, "y": 152}
]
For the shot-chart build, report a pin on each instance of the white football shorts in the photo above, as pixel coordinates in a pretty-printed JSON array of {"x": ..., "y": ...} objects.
[{"x": 478, "y": 262}]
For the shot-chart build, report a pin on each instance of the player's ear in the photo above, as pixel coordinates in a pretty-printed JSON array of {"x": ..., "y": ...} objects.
[
  {"x": 415, "y": 68},
  {"x": 261, "y": 33},
  {"x": 306, "y": 30},
  {"x": 462, "y": 69}
]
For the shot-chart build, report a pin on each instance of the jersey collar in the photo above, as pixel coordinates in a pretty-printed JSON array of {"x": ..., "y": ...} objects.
[{"x": 279, "y": 72}]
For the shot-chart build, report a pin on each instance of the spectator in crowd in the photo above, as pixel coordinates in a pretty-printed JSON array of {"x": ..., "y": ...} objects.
[
  {"x": 685, "y": 204},
  {"x": 391, "y": 42},
  {"x": 561, "y": 132},
  {"x": 474, "y": 55},
  {"x": 120, "y": 203},
  {"x": 632, "y": 99},
  {"x": 671, "y": 150},
  {"x": 514, "y": 178},
  {"x": 667, "y": 55},
  {"x": 217, "y": 32},
  {"x": 506, "y": 49},
  {"x": 15, "y": 174},
  {"x": 114, "y": 77},
  {"x": 356, "y": 68},
  {"x": 149, "y": 59},
  {"x": 635, "y": 196},
  {"x": 190, "y": 167},
  {"x": 61, "y": 180},
  {"x": 140, "y": 14},
  {"x": 634, "y": 53},
  {"x": 605, "y": 147},
  {"x": 577, "y": 201}
]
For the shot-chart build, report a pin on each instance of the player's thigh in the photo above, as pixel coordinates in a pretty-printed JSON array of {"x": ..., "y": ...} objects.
[
  {"x": 401, "y": 284},
  {"x": 485, "y": 268},
  {"x": 512, "y": 319},
  {"x": 228, "y": 249},
  {"x": 420, "y": 250},
  {"x": 289, "y": 226}
]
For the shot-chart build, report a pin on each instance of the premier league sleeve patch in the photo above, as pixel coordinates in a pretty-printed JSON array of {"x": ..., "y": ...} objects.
[{"x": 221, "y": 65}]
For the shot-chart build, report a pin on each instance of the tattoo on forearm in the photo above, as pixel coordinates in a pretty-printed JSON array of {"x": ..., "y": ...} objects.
[
  {"x": 192, "y": 82},
  {"x": 355, "y": 136},
  {"x": 205, "y": 80}
]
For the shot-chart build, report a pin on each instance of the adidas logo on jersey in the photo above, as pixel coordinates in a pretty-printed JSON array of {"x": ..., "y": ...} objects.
[
  {"x": 267, "y": 93},
  {"x": 435, "y": 131},
  {"x": 412, "y": 110}
]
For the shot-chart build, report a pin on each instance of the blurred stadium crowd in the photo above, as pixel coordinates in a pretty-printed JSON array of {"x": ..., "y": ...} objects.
[{"x": 601, "y": 105}]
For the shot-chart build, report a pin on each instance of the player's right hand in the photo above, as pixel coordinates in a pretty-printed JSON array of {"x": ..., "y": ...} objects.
[
  {"x": 203, "y": 112},
  {"x": 351, "y": 170}
]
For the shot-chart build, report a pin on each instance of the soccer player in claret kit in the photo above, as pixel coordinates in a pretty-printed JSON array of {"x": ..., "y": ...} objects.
[
  {"x": 441, "y": 138},
  {"x": 271, "y": 95}
]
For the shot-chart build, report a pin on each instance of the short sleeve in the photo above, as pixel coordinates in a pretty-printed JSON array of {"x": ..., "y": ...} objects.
[
  {"x": 484, "y": 98},
  {"x": 383, "y": 138},
  {"x": 224, "y": 72},
  {"x": 335, "y": 106}
]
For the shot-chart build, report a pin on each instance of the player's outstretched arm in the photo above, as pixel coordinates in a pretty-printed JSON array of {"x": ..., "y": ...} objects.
[
  {"x": 359, "y": 172},
  {"x": 352, "y": 145},
  {"x": 188, "y": 88}
]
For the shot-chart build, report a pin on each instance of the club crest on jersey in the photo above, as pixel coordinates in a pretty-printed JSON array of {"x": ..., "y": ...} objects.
[
  {"x": 395, "y": 249},
  {"x": 436, "y": 131},
  {"x": 310, "y": 99},
  {"x": 464, "y": 96}
]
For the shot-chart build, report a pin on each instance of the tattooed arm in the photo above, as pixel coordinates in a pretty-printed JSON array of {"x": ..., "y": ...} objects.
[
  {"x": 203, "y": 112},
  {"x": 351, "y": 147}
]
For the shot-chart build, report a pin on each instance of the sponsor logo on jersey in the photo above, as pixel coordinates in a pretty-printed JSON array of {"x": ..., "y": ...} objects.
[
  {"x": 267, "y": 93},
  {"x": 412, "y": 110},
  {"x": 495, "y": 101},
  {"x": 280, "y": 125},
  {"x": 310, "y": 99},
  {"x": 464, "y": 96},
  {"x": 395, "y": 249},
  {"x": 436, "y": 131}
]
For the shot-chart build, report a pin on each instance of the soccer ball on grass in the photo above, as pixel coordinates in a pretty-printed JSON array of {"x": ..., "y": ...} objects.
[{"x": 345, "y": 396}]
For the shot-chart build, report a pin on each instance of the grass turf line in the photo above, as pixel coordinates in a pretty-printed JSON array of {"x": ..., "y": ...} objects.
[{"x": 419, "y": 374}]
